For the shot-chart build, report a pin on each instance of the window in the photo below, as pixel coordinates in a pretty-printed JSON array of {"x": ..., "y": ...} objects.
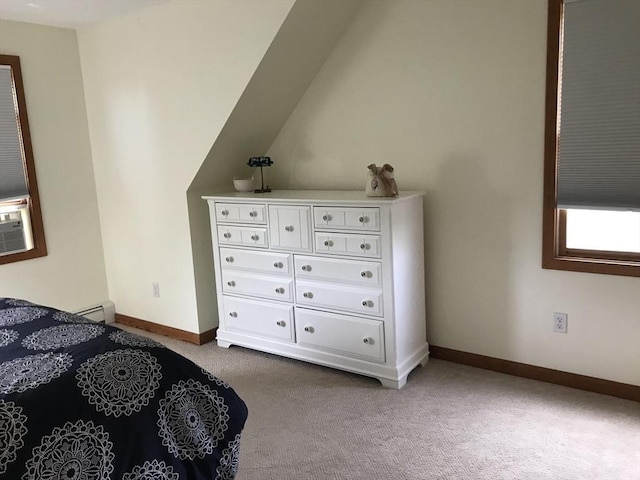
[
  {"x": 591, "y": 212},
  {"x": 21, "y": 228}
]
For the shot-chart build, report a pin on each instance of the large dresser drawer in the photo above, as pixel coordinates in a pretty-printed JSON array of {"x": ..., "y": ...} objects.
[
  {"x": 348, "y": 244},
  {"x": 248, "y": 236},
  {"x": 367, "y": 301},
  {"x": 341, "y": 334},
  {"x": 258, "y": 318},
  {"x": 347, "y": 218},
  {"x": 242, "y": 283},
  {"x": 240, "y": 213},
  {"x": 257, "y": 261},
  {"x": 358, "y": 272}
]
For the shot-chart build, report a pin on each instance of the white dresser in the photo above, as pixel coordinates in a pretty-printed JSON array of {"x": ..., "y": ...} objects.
[{"x": 329, "y": 277}]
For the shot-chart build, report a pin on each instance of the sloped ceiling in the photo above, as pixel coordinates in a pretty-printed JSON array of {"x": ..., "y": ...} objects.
[{"x": 300, "y": 48}]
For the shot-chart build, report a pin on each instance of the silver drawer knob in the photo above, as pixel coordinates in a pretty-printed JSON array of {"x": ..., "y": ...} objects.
[
  {"x": 366, "y": 274},
  {"x": 226, "y": 235},
  {"x": 229, "y": 259},
  {"x": 307, "y": 295},
  {"x": 224, "y": 213},
  {"x": 325, "y": 217},
  {"x": 288, "y": 228},
  {"x": 254, "y": 237},
  {"x": 253, "y": 214},
  {"x": 367, "y": 303},
  {"x": 233, "y": 314},
  {"x": 306, "y": 268},
  {"x": 309, "y": 329},
  {"x": 231, "y": 283},
  {"x": 364, "y": 246},
  {"x": 368, "y": 340},
  {"x": 281, "y": 323},
  {"x": 328, "y": 243},
  {"x": 278, "y": 265},
  {"x": 279, "y": 290},
  {"x": 362, "y": 219}
]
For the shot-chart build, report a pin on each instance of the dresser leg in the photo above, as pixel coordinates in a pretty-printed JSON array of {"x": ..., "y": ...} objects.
[
  {"x": 223, "y": 344},
  {"x": 396, "y": 384}
]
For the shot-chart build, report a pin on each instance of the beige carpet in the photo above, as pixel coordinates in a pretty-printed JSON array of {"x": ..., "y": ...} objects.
[{"x": 449, "y": 422}]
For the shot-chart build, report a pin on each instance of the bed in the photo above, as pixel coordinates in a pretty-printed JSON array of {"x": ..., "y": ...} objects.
[{"x": 81, "y": 400}]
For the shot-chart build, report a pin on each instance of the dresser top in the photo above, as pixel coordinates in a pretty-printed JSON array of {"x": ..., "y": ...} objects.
[{"x": 325, "y": 196}]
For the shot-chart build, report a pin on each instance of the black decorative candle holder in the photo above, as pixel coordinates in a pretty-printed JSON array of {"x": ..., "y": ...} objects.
[{"x": 261, "y": 162}]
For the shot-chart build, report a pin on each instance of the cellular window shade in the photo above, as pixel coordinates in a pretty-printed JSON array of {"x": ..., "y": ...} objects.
[
  {"x": 599, "y": 135},
  {"x": 13, "y": 182}
]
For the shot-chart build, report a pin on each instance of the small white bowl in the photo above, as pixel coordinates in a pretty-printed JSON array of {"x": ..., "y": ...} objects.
[{"x": 243, "y": 184}]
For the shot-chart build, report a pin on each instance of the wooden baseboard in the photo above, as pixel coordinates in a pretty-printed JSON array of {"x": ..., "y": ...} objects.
[
  {"x": 582, "y": 382},
  {"x": 197, "y": 338}
]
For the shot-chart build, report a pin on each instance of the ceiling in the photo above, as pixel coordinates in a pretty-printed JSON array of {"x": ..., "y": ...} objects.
[{"x": 70, "y": 13}]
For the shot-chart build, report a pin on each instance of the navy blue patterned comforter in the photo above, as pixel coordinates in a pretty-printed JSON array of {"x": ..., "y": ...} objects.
[{"x": 80, "y": 400}]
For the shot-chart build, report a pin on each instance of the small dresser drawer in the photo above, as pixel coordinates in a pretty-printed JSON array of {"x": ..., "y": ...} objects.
[
  {"x": 258, "y": 318},
  {"x": 366, "y": 301},
  {"x": 257, "y": 261},
  {"x": 249, "y": 236},
  {"x": 348, "y": 244},
  {"x": 338, "y": 270},
  {"x": 341, "y": 334},
  {"x": 347, "y": 218},
  {"x": 241, "y": 283},
  {"x": 240, "y": 213}
]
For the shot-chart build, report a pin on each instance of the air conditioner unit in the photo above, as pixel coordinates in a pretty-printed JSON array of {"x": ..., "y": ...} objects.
[
  {"x": 103, "y": 313},
  {"x": 15, "y": 230}
]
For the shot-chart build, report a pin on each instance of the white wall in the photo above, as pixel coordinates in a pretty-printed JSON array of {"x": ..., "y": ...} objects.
[
  {"x": 451, "y": 93},
  {"x": 72, "y": 275},
  {"x": 160, "y": 85}
]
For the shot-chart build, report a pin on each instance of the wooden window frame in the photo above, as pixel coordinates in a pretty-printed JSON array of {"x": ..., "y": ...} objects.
[
  {"x": 555, "y": 254},
  {"x": 37, "y": 227}
]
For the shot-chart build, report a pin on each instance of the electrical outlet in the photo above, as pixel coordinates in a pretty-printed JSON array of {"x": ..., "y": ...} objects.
[
  {"x": 560, "y": 322},
  {"x": 156, "y": 289}
]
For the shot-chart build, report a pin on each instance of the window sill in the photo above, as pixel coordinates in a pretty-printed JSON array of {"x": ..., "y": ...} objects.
[{"x": 588, "y": 264}]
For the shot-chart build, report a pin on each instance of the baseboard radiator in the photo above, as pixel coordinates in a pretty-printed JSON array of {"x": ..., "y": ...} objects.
[{"x": 102, "y": 313}]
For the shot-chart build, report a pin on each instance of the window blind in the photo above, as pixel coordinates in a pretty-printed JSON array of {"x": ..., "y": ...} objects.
[
  {"x": 13, "y": 182},
  {"x": 599, "y": 114}
]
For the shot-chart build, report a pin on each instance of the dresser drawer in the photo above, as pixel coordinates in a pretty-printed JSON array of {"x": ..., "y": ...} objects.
[
  {"x": 347, "y": 218},
  {"x": 350, "y": 336},
  {"x": 348, "y": 244},
  {"x": 338, "y": 270},
  {"x": 257, "y": 261},
  {"x": 258, "y": 318},
  {"x": 240, "y": 213},
  {"x": 249, "y": 236},
  {"x": 366, "y": 301},
  {"x": 242, "y": 283}
]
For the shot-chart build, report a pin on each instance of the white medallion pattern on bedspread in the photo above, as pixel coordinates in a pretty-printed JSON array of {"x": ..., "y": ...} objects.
[
  {"x": 61, "y": 336},
  {"x": 192, "y": 425},
  {"x": 119, "y": 382},
  {"x": 32, "y": 371},
  {"x": 76, "y": 451},
  {"x": 13, "y": 428}
]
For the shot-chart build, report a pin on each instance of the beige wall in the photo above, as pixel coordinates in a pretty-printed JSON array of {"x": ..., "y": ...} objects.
[
  {"x": 451, "y": 93},
  {"x": 160, "y": 85},
  {"x": 72, "y": 275}
]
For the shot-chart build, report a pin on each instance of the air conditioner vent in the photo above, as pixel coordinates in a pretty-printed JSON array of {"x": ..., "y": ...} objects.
[{"x": 12, "y": 238}]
